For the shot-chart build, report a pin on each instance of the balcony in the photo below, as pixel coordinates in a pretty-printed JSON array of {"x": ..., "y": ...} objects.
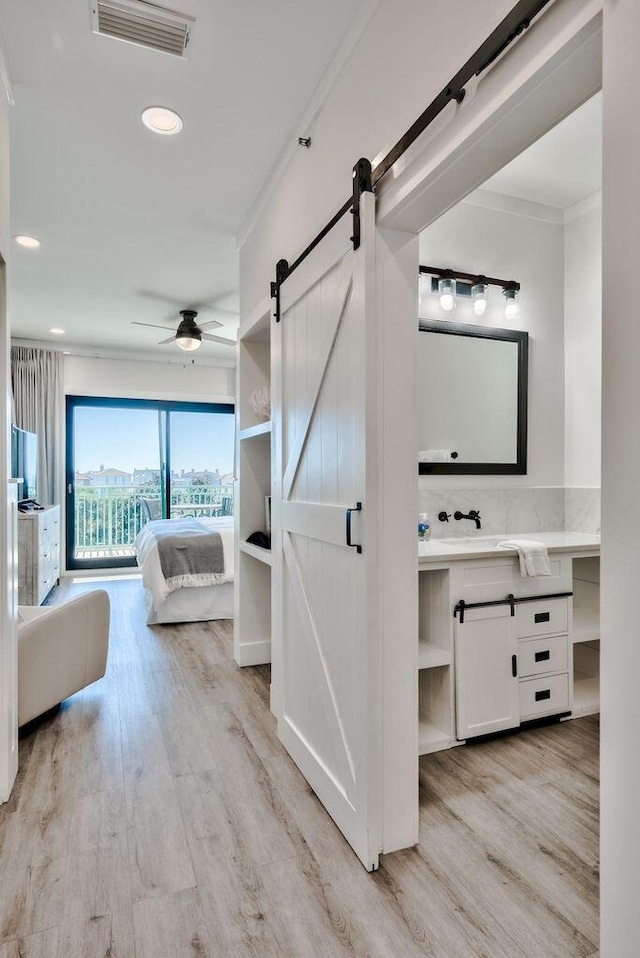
[{"x": 107, "y": 519}]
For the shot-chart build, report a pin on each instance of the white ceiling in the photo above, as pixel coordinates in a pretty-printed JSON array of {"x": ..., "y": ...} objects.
[
  {"x": 563, "y": 167},
  {"x": 135, "y": 225}
]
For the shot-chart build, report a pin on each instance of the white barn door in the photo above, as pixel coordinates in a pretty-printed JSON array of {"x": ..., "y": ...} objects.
[{"x": 326, "y": 656}]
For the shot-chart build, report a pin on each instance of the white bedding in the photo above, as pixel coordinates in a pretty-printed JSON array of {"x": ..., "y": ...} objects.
[{"x": 149, "y": 560}]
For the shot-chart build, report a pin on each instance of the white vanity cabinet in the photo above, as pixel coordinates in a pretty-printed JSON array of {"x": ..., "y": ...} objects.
[
  {"x": 486, "y": 683},
  {"x": 496, "y": 649}
]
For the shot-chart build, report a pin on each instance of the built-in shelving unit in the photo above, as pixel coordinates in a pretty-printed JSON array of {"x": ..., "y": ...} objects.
[
  {"x": 585, "y": 635},
  {"x": 262, "y": 555},
  {"x": 261, "y": 431},
  {"x": 436, "y": 720},
  {"x": 252, "y": 629}
]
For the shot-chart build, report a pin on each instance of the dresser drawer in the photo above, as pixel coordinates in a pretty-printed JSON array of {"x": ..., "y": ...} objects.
[
  {"x": 547, "y": 654},
  {"x": 542, "y": 617},
  {"x": 544, "y": 696}
]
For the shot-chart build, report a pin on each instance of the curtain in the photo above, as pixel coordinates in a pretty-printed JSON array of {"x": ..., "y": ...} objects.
[{"x": 38, "y": 403}]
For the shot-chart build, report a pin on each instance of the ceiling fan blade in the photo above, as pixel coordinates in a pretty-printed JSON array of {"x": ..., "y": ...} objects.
[
  {"x": 151, "y": 325},
  {"x": 219, "y": 339},
  {"x": 212, "y": 322},
  {"x": 163, "y": 342}
]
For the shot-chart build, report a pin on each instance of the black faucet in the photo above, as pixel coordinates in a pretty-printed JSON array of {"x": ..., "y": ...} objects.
[{"x": 474, "y": 515}]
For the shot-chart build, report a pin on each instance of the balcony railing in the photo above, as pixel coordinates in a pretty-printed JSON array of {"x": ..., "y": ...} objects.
[{"x": 107, "y": 519}]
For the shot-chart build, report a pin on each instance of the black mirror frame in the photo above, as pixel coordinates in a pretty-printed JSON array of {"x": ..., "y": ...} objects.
[{"x": 519, "y": 467}]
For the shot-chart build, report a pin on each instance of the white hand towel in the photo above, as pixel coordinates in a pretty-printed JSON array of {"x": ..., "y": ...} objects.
[{"x": 533, "y": 555}]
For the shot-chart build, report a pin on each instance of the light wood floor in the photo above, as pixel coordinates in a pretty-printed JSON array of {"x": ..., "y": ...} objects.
[{"x": 157, "y": 816}]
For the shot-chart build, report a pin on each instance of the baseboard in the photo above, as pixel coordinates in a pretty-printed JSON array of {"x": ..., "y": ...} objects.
[{"x": 254, "y": 653}]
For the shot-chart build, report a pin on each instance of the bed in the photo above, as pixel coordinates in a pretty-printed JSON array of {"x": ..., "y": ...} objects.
[{"x": 199, "y": 595}]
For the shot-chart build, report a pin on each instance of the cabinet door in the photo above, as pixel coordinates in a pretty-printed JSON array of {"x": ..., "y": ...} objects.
[{"x": 486, "y": 659}]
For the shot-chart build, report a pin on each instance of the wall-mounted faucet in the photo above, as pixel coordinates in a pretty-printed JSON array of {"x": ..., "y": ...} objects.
[
  {"x": 473, "y": 514},
  {"x": 444, "y": 516}
]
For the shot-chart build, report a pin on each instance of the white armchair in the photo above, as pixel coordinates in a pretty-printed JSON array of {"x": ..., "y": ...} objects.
[{"x": 61, "y": 649}]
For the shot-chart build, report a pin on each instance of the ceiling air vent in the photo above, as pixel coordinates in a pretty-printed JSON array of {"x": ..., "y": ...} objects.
[{"x": 146, "y": 24}]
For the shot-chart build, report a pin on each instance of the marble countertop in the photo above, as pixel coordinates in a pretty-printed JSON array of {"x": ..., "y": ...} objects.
[{"x": 485, "y": 547}]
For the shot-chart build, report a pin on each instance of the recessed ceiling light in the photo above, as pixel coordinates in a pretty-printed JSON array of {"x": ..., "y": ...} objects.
[
  {"x": 30, "y": 242},
  {"x": 159, "y": 119},
  {"x": 57, "y": 331}
]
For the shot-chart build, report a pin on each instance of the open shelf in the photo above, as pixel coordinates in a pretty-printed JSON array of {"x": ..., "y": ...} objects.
[
  {"x": 586, "y": 625},
  {"x": 431, "y": 738},
  {"x": 261, "y": 431},
  {"x": 263, "y": 555},
  {"x": 586, "y": 694},
  {"x": 430, "y": 656}
]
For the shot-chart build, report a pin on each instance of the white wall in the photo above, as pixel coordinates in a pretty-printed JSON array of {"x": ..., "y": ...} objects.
[
  {"x": 620, "y": 837},
  {"x": 583, "y": 347},
  {"x": 89, "y": 376},
  {"x": 531, "y": 251},
  {"x": 8, "y": 654},
  {"x": 408, "y": 52}
]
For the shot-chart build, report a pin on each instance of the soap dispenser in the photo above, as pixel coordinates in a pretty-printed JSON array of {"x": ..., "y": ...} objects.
[{"x": 424, "y": 527}]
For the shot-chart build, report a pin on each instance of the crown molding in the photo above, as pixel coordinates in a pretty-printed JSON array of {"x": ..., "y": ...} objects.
[
  {"x": 122, "y": 355},
  {"x": 515, "y": 206},
  {"x": 305, "y": 124},
  {"x": 584, "y": 206}
]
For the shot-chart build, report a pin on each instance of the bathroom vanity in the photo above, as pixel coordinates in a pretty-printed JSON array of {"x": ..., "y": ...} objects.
[{"x": 497, "y": 650}]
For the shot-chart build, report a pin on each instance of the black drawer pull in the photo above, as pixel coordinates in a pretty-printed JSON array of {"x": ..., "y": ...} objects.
[
  {"x": 544, "y": 694},
  {"x": 542, "y": 617},
  {"x": 514, "y": 666},
  {"x": 543, "y": 656}
]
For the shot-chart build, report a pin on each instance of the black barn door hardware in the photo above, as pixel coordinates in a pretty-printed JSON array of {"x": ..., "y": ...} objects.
[
  {"x": 352, "y": 545},
  {"x": 462, "y": 606},
  {"x": 509, "y": 29}
]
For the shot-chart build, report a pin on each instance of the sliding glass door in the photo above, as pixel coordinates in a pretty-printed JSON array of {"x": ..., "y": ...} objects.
[{"x": 131, "y": 460}]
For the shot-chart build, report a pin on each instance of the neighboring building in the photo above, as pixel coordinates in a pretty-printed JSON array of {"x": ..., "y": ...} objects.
[
  {"x": 110, "y": 478},
  {"x": 82, "y": 479}
]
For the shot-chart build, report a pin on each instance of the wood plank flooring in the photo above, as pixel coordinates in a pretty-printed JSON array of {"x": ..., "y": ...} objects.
[{"x": 157, "y": 816}]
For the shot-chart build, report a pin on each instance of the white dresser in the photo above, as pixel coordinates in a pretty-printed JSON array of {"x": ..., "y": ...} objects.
[{"x": 38, "y": 554}]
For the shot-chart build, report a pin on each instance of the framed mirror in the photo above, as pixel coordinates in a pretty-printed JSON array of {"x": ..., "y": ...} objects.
[{"x": 472, "y": 399}]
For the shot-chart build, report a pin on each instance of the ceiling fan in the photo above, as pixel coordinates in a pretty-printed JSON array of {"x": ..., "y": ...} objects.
[{"x": 189, "y": 334}]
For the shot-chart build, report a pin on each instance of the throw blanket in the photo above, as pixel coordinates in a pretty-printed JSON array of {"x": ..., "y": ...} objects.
[
  {"x": 190, "y": 555},
  {"x": 185, "y": 553}
]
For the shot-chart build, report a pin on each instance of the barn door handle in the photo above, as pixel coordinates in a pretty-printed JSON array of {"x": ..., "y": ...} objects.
[{"x": 352, "y": 545}]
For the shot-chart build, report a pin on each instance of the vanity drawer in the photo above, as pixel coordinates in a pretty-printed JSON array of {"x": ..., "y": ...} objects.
[
  {"x": 536, "y": 656},
  {"x": 542, "y": 618},
  {"x": 544, "y": 696}
]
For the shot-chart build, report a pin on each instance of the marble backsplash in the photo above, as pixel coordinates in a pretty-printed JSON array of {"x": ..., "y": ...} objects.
[
  {"x": 582, "y": 510},
  {"x": 512, "y": 510}
]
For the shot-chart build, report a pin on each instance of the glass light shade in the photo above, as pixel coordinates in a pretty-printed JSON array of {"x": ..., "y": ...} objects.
[
  {"x": 512, "y": 307},
  {"x": 188, "y": 343},
  {"x": 479, "y": 298},
  {"x": 447, "y": 290}
]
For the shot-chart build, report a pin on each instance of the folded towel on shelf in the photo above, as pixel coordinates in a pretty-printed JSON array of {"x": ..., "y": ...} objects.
[
  {"x": 533, "y": 555},
  {"x": 434, "y": 455}
]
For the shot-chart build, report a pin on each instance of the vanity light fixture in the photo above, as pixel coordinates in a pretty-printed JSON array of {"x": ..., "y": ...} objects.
[
  {"x": 451, "y": 283},
  {"x": 512, "y": 306},
  {"x": 57, "y": 331},
  {"x": 479, "y": 298},
  {"x": 447, "y": 290}
]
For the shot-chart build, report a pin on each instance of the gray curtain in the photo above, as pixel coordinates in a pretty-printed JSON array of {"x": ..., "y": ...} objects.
[{"x": 38, "y": 405}]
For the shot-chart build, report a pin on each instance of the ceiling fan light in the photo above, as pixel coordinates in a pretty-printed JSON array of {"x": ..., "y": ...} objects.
[{"x": 188, "y": 343}]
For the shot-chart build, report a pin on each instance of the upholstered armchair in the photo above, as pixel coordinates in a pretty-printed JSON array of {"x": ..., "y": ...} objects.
[{"x": 61, "y": 649}]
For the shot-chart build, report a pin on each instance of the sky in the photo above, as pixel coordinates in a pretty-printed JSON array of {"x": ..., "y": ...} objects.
[{"x": 127, "y": 439}]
